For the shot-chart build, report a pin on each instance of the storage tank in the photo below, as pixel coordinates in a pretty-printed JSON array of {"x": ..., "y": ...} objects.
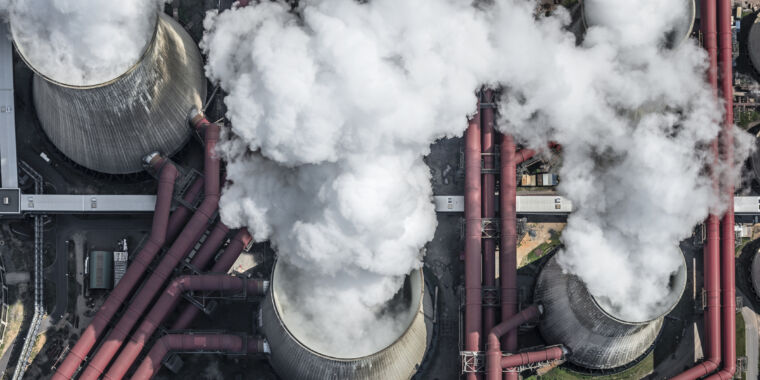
[
  {"x": 597, "y": 337},
  {"x": 108, "y": 127},
  {"x": 293, "y": 356},
  {"x": 679, "y": 33}
]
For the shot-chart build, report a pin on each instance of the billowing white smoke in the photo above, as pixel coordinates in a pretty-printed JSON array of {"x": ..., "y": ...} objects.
[
  {"x": 333, "y": 111},
  {"x": 81, "y": 42},
  {"x": 343, "y": 113}
]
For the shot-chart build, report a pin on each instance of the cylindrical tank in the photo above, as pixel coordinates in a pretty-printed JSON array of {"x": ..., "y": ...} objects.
[
  {"x": 597, "y": 338},
  {"x": 293, "y": 356},
  {"x": 676, "y": 36},
  {"x": 109, "y": 127}
]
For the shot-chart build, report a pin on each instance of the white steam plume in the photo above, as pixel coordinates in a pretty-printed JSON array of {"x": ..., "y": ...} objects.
[
  {"x": 333, "y": 110},
  {"x": 81, "y": 42}
]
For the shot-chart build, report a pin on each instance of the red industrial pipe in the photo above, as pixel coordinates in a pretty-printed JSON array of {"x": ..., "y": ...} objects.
[
  {"x": 523, "y": 155},
  {"x": 508, "y": 248},
  {"x": 232, "y": 344},
  {"x": 525, "y": 358},
  {"x": 168, "y": 175},
  {"x": 526, "y": 154},
  {"x": 488, "y": 198},
  {"x": 167, "y": 302},
  {"x": 473, "y": 236},
  {"x": 711, "y": 253},
  {"x": 210, "y": 246},
  {"x": 199, "y": 222},
  {"x": 181, "y": 215},
  {"x": 225, "y": 261},
  {"x": 493, "y": 354},
  {"x": 727, "y": 254}
]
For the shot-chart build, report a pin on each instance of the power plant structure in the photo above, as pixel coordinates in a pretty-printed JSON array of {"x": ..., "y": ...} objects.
[
  {"x": 465, "y": 314},
  {"x": 295, "y": 356},
  {"x": 753, "y": 45},
  {"x": 755, "y": 273},
  {"x": 596, "y": 334},
  {"x": 593, "y": 14},
  {"x": 109, "y": 127}
]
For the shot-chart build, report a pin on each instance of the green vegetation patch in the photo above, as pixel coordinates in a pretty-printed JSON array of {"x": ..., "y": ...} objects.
[
  {"x": 640, "y": 370},
  {"x": 15, "y": 319},
  {"x": 741, "y": 343},
  {"x": 745, "y": 118},
  {"x": 544, "y": 248},
  {"x": 740, "y": 246}
]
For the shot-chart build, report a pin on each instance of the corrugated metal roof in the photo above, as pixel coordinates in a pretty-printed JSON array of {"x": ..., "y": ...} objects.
[
  {"x": 71, "y": 204},
  {"x": 101, "y": 270},
  {"x": 526, "y": 204}
]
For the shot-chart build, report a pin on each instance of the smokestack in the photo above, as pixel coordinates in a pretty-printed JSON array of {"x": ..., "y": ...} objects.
[{"x": 109, "y": 126}]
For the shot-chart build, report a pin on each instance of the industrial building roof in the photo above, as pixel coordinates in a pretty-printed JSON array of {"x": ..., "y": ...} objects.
[
  {"x": 101, "y": 270},
  {"x": 8, "y": 167}
]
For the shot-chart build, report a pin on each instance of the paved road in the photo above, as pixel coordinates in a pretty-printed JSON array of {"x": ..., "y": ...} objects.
[
  {"x": 751, "y": 330},
  {"x": 58, "y": 273}
]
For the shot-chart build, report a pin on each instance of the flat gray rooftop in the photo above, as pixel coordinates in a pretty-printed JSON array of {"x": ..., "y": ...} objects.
[{"x": 8, "y": 168}]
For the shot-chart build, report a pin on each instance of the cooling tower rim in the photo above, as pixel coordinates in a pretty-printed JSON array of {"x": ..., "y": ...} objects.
[
  {"x": 160, "y": 18},
  {"x": 680, "y": 289},
  {"x": 693, "y": 20},
  {"x": 275, "y": 306}
]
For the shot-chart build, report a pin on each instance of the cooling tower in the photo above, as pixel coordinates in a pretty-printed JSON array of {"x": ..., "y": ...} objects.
[
  {"x": 680, "y": 32},
  {"x": 755, "y": 273},
  {"x": 293, "y": 357},
  {"x": 754, "y": 45},
  {"x": 110, "y": 126},
  {"x": 597, "y": 338}
]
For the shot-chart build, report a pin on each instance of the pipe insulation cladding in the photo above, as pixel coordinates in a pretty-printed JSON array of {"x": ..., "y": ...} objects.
[
  {"x": 295, "y": 355},
  {"x": 109, "y": 127},
  {"x": 598, "y": 337}
]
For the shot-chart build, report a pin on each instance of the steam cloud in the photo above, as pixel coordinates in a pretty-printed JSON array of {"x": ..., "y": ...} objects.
[
  {"x": 81, "y": 42},
  {"x": 333, "y": 109}
]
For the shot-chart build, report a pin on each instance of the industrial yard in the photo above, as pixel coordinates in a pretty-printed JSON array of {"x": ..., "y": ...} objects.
[{"x": 328, "y": 190}]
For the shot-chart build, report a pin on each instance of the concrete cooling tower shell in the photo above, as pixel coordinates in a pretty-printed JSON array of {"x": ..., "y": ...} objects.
[
  {"x": 754, "y": 44},
  {"x": 293, "y": 359},
  {"x": 109, "y": 127},
  {"x": 597, "y": 339},
  {"x": 755, "y": 273},
  {"x": 679, "y": 33}
]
